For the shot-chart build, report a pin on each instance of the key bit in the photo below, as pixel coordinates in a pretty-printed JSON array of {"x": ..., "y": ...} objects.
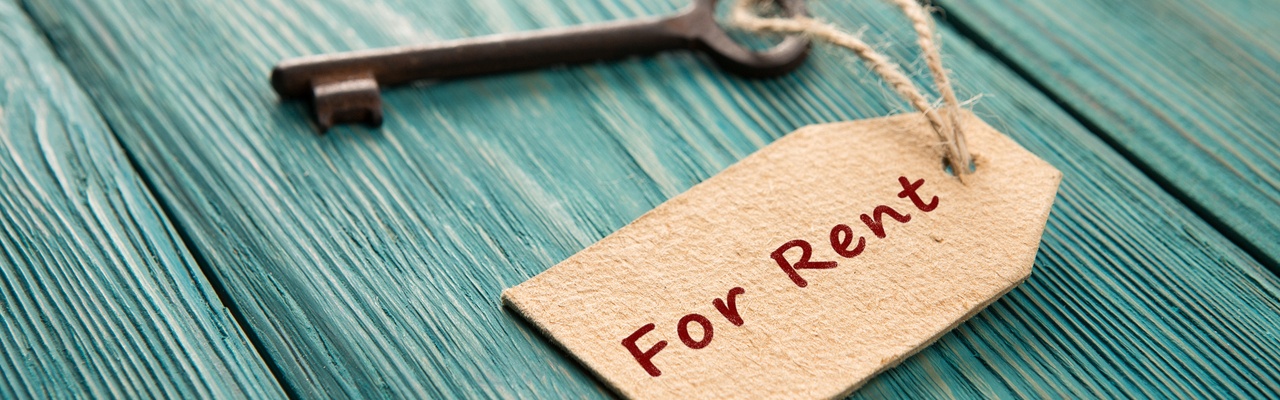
[{"x": 344, "y": 87}]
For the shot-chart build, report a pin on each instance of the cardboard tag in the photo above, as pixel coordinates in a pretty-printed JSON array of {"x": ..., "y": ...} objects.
[{"x": 804, "y": 269}]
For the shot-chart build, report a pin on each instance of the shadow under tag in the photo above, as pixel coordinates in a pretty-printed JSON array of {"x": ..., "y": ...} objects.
[{"x": 804, "y": 269}]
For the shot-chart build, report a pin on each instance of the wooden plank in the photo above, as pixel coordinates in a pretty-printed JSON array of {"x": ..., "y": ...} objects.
[
  {"x": 1188, "y": 88},
  {"x": 99, "y": 298},
  {"x": 370, "y": 261}
]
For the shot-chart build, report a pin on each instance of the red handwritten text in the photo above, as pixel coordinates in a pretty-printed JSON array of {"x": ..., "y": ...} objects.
[
  {"x": 842, "y": 235},
  {"x": 841, "y": 240},
  {"x": 727, "y": 307}
]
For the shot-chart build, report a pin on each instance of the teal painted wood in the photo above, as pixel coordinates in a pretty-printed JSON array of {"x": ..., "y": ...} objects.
[
  {"x": 370, "y": 261},
  {"x": 1187, "y": 87},
  {"x": 98, "y": 296}
]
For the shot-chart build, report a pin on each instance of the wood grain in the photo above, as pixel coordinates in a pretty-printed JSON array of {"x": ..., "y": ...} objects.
[
  {"x": 98, "y": 296},
  {"x": 370, "y": 261},
  {"x": 1187, "y": 88},
  {"x": 799, "y": 332}
]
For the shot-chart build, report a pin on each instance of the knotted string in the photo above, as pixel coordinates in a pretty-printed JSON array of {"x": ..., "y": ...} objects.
[{"x": 948, "y": 128}]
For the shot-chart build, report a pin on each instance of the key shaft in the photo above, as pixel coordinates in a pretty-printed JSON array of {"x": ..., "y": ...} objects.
[{"x": 345, "y": 86}]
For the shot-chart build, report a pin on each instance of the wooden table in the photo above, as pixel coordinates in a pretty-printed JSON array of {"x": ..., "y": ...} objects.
[{"x": 170, "y": 228}]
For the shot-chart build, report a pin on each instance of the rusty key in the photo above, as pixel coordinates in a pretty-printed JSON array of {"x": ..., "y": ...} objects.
[{"x": 344, "y": 86}]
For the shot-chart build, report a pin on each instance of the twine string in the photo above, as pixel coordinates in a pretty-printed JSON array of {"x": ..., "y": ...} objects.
[{"x": 946, "y": 126}]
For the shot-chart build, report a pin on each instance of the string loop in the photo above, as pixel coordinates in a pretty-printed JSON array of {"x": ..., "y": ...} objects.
[{"x": 946, "y": 126}]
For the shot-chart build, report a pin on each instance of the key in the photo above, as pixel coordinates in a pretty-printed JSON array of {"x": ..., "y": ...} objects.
[{"x": 344, "y": 87}]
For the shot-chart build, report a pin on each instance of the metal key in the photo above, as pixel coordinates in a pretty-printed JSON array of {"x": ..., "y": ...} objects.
[{"x": 344, "y": 86}]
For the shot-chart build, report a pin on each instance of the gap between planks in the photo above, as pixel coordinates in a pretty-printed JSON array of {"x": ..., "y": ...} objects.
[{"x": 967, "y": 30}]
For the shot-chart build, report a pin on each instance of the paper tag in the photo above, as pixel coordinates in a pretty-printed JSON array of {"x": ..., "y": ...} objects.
[{"x": 803, "y": 270}]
